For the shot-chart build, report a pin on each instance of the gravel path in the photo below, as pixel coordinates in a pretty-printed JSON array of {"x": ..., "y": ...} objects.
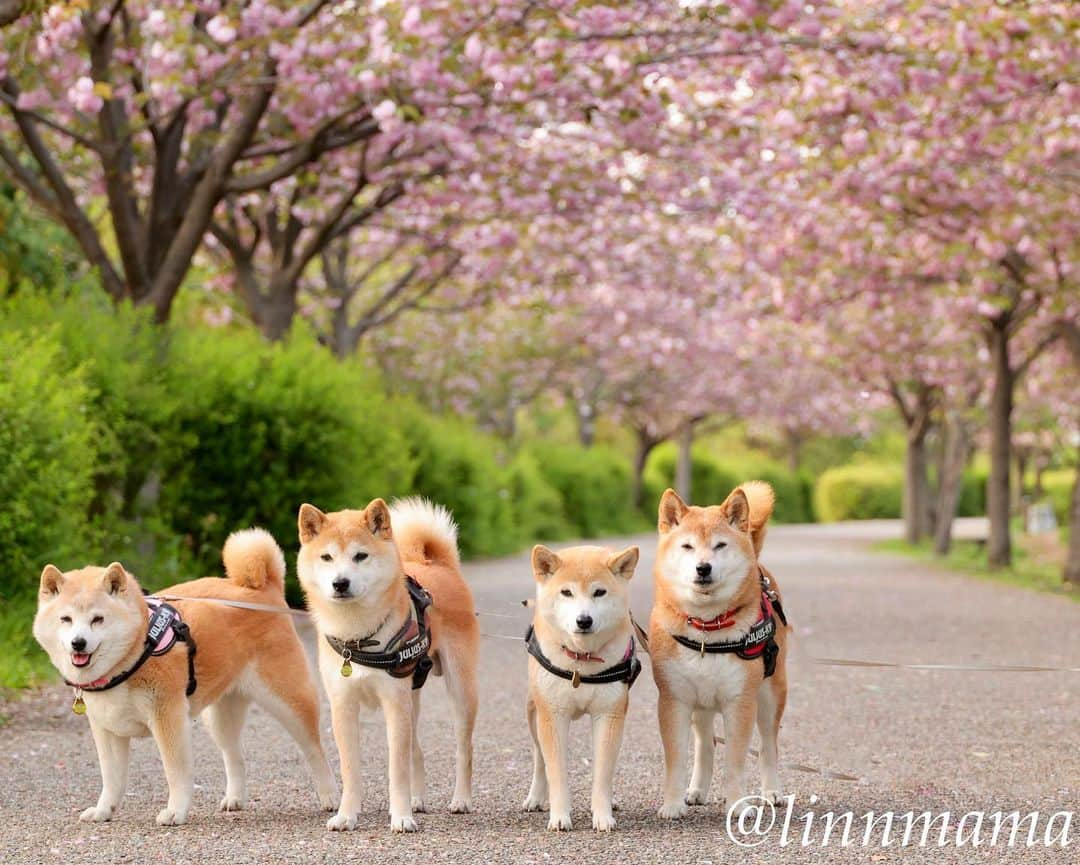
[{"x": 917, "y": 740}]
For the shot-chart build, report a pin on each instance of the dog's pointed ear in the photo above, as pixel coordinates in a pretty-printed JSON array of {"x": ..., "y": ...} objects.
[
  {"x": 623, "y": 564},
  {"x": 672, "y": 510},
  {"x": 377, "y": 516},
  {"x": 545, "y": 562},
  {"x": 310, "y": 522},
  {"x": 737, "y": 510},
  {"x": 115, "y": 579},
  {"x": 52, "y": 580}
]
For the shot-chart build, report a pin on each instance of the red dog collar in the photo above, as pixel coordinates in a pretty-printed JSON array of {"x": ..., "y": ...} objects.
[{"x": 725, "y": 620}]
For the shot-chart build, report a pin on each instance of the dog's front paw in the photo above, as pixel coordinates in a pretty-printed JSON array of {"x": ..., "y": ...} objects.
[
  {"x": 171, "y": 817},
  {"x": 534, "y": 803},
  {"x": 672, "y": 811},
  {"x": 603, "y": 822},
  {"x": 418, "y": 806},
  {"x": 96, "y": 815},
  {"x": 696, "y": 797},
  {"x": 403, "y": 823},
  {"x": 232, "y": 803},
  {"x": 461, "y": 806},
  {"x": 773, "y": 797},
  {"x": 560, "y": 823},
  {"x": 341, "y": 822},
  {"x": 328, "y": 801}
]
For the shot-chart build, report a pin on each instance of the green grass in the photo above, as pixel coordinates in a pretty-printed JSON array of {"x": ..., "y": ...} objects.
[{"x": 969, "y": 557}]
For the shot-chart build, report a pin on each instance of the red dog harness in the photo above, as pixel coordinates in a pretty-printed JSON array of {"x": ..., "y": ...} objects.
[{"x": 758, "y": 642}]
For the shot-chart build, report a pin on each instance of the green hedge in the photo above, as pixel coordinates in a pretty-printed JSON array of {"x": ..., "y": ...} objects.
[
  {"x": 595, "y": 485},
  {"x": 1058, "y": 487},
  {"x": 861, "y": 491},
  {"x": 712, "y": 479}
]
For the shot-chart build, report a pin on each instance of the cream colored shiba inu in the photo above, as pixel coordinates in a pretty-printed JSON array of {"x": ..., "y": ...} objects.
[
  {"x": 122, "y": 652},
  {"x": 369, "y": 577},
  {"x": 717, "y": 641},
  {"x": 582, "y": 662}
]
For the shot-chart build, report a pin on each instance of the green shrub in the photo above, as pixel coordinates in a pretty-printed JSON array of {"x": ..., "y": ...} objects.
[
  {"x": 48, "y": 440},
  {"x": 1058, "y": 487},
  {"x": 261, "y": 429},
  {"x": 712, "y": 479},
  {"x": 537, "y": 506},
  {"x": 972, "y": 501},
  {"x": 457, "y": 466},
  {"x": 860, "y": 491},
  {"x": 710, "y": 482},
  {"x": 595, "y": 485}
]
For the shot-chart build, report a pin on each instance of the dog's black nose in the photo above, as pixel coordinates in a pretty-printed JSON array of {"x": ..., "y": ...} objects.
[
  {"x": 584, "y": 622},
  {"x": 341, "y": 584},
  {"x": 78, "y": 644},
  {"x": 704, "y": 569}
]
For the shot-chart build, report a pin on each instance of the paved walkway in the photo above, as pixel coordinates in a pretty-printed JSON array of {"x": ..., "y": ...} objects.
[{"x": 917, "y": 740}]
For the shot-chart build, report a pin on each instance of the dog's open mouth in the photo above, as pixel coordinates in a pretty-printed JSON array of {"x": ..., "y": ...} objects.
[{"x": 80, "y": 659}]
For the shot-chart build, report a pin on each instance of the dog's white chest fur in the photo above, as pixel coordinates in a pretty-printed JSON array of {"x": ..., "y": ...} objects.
[
  {"x": 563, "y": 698},
  {"x": 122, "y": 710},
  {"x": 707, "y": 682}
]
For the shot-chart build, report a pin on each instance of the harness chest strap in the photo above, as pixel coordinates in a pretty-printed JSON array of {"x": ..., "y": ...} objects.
[
  {"x": 413, "y": 640},
  {"x": 164, "y": 630},
  {"x": 759, "y": 642},
  {"x": 626, "y": 670}
]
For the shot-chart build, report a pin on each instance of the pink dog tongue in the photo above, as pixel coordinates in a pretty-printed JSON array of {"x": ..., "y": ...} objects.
[{"x": 79, "y": 659}]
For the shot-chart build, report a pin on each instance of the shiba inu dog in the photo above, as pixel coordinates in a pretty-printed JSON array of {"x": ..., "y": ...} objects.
[
  {"x": 717, "y": 641},
  {"x": 132, "y": 678},
  {"x": 582, "y": 661},
  {"x": 368, "y": 577}
]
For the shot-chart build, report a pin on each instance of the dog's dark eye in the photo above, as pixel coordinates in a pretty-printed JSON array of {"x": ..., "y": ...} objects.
[
  {"x": 359, "y": 557},
  {"x": 566, "y": 593},
  {"x": 97, "y": 620},
  {"x": 687, "y": 546},
  {"x": 720, "y": 545},
  {"x": 66, "y": 620},
  {"x": 326, "y": 557},
  {"x": 599, "y": 593}
]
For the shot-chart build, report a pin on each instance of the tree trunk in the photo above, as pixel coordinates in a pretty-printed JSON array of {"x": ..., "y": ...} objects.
[
  {"x": 586, "y": 418},
  {"x": 1072, "y": 561},
  {"x": 684, "y": 465},
  {"x": 916, "y": 502},
  {"x": 275, "y": 310},
  {"x": 957, "y": 448},
  {"x": 999, "y": 544},
  {"x": 795, "y": 442},
  {"x": 645, "y": 444}
]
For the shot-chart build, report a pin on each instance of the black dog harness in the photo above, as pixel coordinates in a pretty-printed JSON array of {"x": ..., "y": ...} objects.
[
  {"x": 165, "y": 630},
  {"x": 626, "y": 670},
  {"x": 759, "y": 642},
  {"x": 413, "y": 642}
]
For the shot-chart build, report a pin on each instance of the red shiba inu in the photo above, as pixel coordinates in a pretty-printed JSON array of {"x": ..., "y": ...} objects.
[
  {"x": 384, "y": 586},
  {"x": 121, "y": 652},
  {"x": 582, "y": 662},
  {"x": 717, "y": 641}
]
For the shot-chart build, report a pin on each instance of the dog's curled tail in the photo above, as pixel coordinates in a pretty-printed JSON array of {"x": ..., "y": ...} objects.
[
  {"x": 254, "y": 560},
  {"x": 424, "y": 531},
  {"x": 761, "y": 498}
]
